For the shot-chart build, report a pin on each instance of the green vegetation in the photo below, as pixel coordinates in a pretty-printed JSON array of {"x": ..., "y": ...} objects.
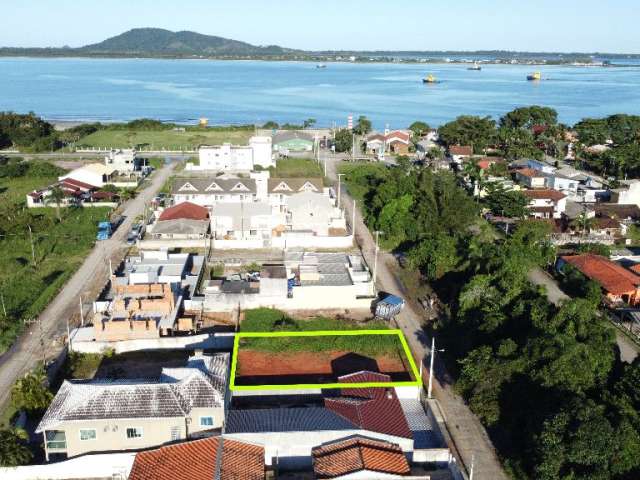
[
  {"x": 27, "y": 132},
  {"x": 296, "y": 167},
  {"x": 158, "y": 139},
  {"x": 344, "y": 140},
  {"x": 31, "y": 394},
  {"x": 60, "y": 245},
  {"x": 546, "y": 381},
  {"x": 14, "y": 450},
  {"x": 362, "y": 126},
  {"x": 268, "y": 320},
  {"x": 82, "y": 365},
  {"x": 503, "y": 202},
  {"x": 419, "y": 129}
]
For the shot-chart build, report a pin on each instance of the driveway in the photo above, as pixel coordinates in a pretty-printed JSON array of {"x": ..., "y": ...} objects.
[{"x": 45, "y": 339}]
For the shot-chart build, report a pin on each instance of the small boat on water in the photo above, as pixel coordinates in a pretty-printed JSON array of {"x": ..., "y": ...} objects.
[
  {"x": 534, "y": 76},
  {"x": 321, "y": 65},
  {"x": 475, "y": 67},
  {"x": 429, "y": 79}
]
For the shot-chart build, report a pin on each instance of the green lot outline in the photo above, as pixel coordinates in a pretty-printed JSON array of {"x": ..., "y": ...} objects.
[{"x": 315, "y": 386}]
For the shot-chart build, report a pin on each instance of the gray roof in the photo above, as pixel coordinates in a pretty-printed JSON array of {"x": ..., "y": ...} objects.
[
  {"x": 286, "y": 420},
  {"x": 181, "y": 226},
  {"x": 200, "y": 384},
  {"x": 295, "y": 185},
  {"x": 332, "y": 267},
  {"x": 212, "y": 186}
]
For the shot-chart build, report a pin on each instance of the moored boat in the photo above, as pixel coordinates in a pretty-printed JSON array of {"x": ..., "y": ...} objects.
[
  {"x": 429, "y": 79},
  {"x": 534, "y": 76}
]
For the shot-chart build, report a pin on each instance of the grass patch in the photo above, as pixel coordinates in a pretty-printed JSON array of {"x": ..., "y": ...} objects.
[
  {"x": 270, "y": 320},
  {"x": 360, "y": 175},
  {"x": 82, "y": 365},
  {"x": 297, "y": 167},
  {"x": 60, "y": 248},
  {"x": 163, "y": 139}
]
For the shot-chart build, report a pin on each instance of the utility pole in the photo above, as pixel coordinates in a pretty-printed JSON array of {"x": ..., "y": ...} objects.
[
  {"x": 33, "y": 250},
  {"x": 69, "y": 336},
  {"x": 433, "y": 356},
  {"x": 81, "y": 314},
  {"x": 375, "y": 260},
  {"x": 340, "y": 175},
  {"x": 353, "y": 220},
  {"x": 473, "y": 461}
]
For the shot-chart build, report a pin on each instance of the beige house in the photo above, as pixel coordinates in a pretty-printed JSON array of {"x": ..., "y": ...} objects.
[{"x": 111, "y": 415}]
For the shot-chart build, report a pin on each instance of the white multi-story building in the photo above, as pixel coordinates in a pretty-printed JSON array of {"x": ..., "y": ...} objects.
[
  {"x": 122, "y": 160},
  {"x": 227, "y": 157}
]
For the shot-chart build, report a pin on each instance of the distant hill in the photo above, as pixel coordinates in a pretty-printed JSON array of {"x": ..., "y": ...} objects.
[{"x": 157, "y": 42}]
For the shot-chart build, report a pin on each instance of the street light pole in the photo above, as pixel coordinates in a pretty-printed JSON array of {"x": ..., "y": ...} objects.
[{"x": 433, "y": 356}]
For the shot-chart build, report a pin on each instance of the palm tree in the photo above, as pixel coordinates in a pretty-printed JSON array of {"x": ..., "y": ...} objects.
[
  {"x": 583, "y": 222},
  {"x": 56, "y": 196},
  {"x": 127, "y": 193}
]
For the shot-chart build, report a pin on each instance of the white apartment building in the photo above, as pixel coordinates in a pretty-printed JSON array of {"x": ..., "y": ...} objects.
[
  {"x": 122, "y": 160},
  {"x": 227, "y": 157}
]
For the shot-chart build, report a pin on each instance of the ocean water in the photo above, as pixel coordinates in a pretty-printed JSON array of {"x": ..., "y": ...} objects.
[{"x": 234, "y": 92}]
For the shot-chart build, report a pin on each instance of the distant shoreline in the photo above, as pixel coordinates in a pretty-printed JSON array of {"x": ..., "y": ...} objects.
[{"x": 385, "y": 60}]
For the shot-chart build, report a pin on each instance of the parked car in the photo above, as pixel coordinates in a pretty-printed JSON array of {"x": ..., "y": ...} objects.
[{"x": 134, "y": 234}]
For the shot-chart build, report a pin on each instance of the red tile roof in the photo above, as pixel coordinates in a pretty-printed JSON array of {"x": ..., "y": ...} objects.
[
  {"x": 530, "y": 172},
  {"x": 612, "y": 277},
  {"x": 187, "y": 210},
  {"x": 544, "y": 194},
  {"x": 196, "y": 460},
  {"x": 77, "y": 183},
  {"x": 398, "y": 135},
  {"x": 376, "y": 409},
  {"x": 359, "y": 454},
  {"x": 463, "y": 150}
]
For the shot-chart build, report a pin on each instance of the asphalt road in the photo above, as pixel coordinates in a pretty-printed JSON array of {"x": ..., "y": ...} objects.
[
  {"x": 470, "y": 437},
  {"x": 46, "y": 338}
]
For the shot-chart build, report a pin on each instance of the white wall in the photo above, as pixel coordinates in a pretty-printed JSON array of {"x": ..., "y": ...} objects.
[
  {"x": 108, "y": 465},
  {"x": 262, "y": 151},
  {"x": 226, "y": 157},
  {"x": 223, "y": 341}
]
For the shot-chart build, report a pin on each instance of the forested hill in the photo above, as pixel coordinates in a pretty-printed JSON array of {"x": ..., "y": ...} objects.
[{"x": 156, "y": 42}]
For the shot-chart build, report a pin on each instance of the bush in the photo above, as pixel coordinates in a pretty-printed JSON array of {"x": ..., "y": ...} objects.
[
  {"x": 31, "y": 394},
  {"x": 13, "y": 448}
]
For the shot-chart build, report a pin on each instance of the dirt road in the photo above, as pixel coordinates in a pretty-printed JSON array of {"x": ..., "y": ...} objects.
[{"x": 45, "y": 338}]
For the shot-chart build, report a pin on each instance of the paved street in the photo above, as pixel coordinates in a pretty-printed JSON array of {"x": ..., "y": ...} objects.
[
  {"x": 27, "y": 352},
  {"x": 470, "y": 437}
]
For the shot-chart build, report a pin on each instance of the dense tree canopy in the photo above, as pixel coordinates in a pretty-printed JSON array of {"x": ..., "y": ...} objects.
[
  {"x": 479, "y": 132},
  {"x": 13, "y": 448},
  {"x": 344, "y": 140},
  {"x": 528, "y": 117},
  {"x": 419, "y": 129},
  {"x": 28, "y": 131},
  {"x": 362, "y": 126}
]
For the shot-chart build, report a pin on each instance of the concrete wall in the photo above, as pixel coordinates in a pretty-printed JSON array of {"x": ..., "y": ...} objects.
[
  {"x": 218, "y": 341},
  {"x": 283, "y": 242},
  {"x": 30, "y": 204}
]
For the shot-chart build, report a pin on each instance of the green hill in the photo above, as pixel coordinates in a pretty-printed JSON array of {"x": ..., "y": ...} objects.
[{"x": 156, "y": 41}]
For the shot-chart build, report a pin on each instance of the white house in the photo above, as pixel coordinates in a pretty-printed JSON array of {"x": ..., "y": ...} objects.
[
  {"x": 227, "y": 157},
  {"x": 122, "y": 160},
  {"x": 314, "y": 212},
  {"x": 279, "y": 189},
  {"x": 546, "y": 203},
  {"x": 531, "y": 178},
  {"x": 563, "y": 184},
  {"x": 95, "y": 174},
  {"x": 243, "y": 221},
  {"x": 210, "y": 191}
]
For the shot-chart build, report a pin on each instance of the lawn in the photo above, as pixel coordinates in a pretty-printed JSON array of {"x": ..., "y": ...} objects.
[
  {"x": 163, "y": 139},
  {"x": 59, "y": 247},
  {"x": 297, "y": 167}
]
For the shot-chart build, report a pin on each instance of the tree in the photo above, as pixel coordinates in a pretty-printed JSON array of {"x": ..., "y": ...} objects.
[
  {"x": 528, "y": 117},
  {"x": 344, "y": 140},
  {"x": 56, "y": 196},
  {"x": 308, "y": 123},
  {"x": 362, "y": 126},
  {"x": 479, "y": 132},
  {"x": 30, "y": 393},
  {"x": 13, "y": 449},
  {"x": 271, "y": 125},
  {"x": 518, "y": 143},
  {"x": 583, "y": 222},
  {"x": 419, "y": 129},
  {"x": 508, "y": 203},
  {"x": 127, "y": 193}
]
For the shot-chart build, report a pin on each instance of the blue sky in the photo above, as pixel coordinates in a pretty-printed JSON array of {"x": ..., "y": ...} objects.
[{"x": 541, "y": 25}]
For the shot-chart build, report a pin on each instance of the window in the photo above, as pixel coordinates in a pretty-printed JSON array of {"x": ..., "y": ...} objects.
[
  {"x": 206, "y": 421},
  {"x": 88, "y": 434},
  {"x": 175, "y": 433},
  {"x": 253, "y": 233},
  {"x": 134, "y": 432}
]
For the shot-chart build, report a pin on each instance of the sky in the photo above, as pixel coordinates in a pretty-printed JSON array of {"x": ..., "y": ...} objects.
[{"x": 543, "y": 25}]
